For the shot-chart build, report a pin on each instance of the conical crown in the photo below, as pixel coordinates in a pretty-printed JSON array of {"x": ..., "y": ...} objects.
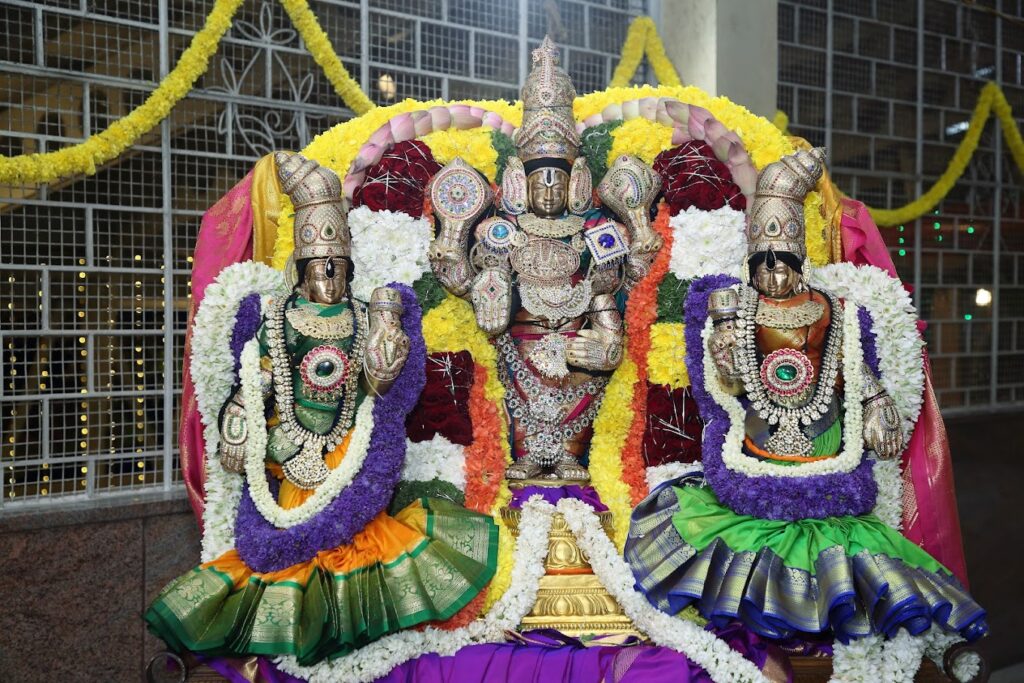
[
  {"x": 321, "y": 228},
  {"x": 776, "y": 219},
  {"x": 548, "y": 130}
]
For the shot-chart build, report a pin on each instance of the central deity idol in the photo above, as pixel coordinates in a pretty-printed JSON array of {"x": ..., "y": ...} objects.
[{"x": 548, "y": 272}]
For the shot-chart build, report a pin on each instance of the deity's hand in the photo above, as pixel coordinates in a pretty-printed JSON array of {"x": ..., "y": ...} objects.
[
  {"x": 233, "y": 435},
  {"x": 882, "y": 430},
  {"x": 387, "y": 346},
  {"x": 722, "y": 346},
  {"x": 492, "y": 300},
  {"x": 594, "y": 350}
]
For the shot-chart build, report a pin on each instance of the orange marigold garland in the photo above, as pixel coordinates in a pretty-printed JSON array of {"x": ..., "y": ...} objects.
[
  {"x": 641, "y": 314},
  {"x": 485, "y": 458}
]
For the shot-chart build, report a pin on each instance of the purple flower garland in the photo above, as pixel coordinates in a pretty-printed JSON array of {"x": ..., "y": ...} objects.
[
  {"x": 868, "y": 340},
  {"x": 265, "y": 548},
  {"x": 247, "y": 324},
  {"x": 766, "y": 497}
]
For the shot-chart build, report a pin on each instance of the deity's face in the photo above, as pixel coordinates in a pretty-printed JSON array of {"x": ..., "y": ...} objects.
[
  {"x": 778, "y": 282},
  {"x": 547, "y": 191},
  {"x": 325, "y": 280}
]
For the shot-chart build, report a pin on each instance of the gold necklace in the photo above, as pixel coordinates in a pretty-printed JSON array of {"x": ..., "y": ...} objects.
[
  {"x": 306, "y": 321},
  {"x": 551, "y": 227}
]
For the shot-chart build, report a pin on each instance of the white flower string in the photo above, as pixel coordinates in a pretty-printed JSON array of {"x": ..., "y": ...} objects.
[
  {"x": 889, "y": 502},
  {"x": 965, "y": 667},
  {"x": 378, "y": 658},
  {"x": 659, "y": 474},
  {"x": 708, "y": 242},
  {"x": 437, "y": 458},
  {"x": 894, "y": 322},
  {"x": 872, "y": 659},
  {"x": 256, "y": 451},
  {"x": 704, "y": 648},
  {"x": 853, "y": 425},
  {"x": 212, "y": 372},
  {"x": 387, "y": 246}
]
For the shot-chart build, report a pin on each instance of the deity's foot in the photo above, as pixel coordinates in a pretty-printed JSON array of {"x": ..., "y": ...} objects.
[
  {"x": 522, "y": 469},
  {"x": 568, "y": 469}
]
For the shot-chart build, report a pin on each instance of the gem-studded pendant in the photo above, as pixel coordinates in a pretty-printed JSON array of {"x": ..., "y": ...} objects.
[
  {"x": 787, "y": 373},
  {"x": 548, "y": 356}
]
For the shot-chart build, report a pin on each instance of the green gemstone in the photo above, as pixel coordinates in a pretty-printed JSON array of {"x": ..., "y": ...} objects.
[
  {"x": 324, "y": 368},
  {"x": 786, "y": 372}
]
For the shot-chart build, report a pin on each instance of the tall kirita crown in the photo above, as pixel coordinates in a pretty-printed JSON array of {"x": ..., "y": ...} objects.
[
  {"x": 548, "y": 132},
  {"x": 776, "y": 218},
  {"x": 321, "y": 227}
]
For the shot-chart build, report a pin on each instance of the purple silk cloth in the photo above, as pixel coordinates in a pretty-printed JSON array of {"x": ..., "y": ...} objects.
[
  {"x": 547, "y": 657},
  {"x": 553, "y": 494},
  {"x": 515, "y": 663}
]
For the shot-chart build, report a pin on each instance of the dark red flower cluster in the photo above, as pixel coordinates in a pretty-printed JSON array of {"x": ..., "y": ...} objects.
[
  {"x": 397, "y": 182},
  {"x": 674, "y": 427},
  {"x": 692, "y": 176},
  {"x": 443, "y": 407}
]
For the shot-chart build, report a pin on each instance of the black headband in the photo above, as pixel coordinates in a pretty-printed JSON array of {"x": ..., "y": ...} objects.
[{"x": 547, "y": 162}]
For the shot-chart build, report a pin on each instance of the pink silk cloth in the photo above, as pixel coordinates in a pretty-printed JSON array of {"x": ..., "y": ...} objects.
[
  {"x": 930, "y": 516},
  {"x": 225, "y": 237}
]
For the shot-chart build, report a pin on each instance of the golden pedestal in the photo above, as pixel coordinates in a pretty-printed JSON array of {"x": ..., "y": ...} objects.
[{"x": 570, "y": 598}]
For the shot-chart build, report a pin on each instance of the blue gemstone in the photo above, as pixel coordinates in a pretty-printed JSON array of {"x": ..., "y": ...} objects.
[
  {"x": 606, "y": 241},
  {"x": 500, "y": 231}
]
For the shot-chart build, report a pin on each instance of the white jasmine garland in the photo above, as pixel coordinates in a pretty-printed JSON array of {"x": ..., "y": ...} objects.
[
  {"x": 894, "y": 322},
  {"x": 387, "y": 246},
  {"x": 659, "y": 474},
  {"x": 213, "y": 375},
  {"x": 337, "y": 480},
  {"x": 889, "y": 502},
  {"x": 853, "y": 425},
  {"x": 722, "y": 663},
  {"x": 708, "y": 242},
  {"x": 437, "y": 458},
  {"x": 378, "y": 658},
  {"x": 937, "y": 641}
]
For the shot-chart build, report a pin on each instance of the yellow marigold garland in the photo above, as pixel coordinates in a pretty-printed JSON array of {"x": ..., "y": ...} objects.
[
  {"x": 473, "y": 144},
  {"x": 319, "y": 45},
  {"x": 642, "y": 38},
  {"x": 611, "y": 426},
  {"x": 641, "y": 137},
  {"x": 666, "y": 360},
  {"x": 991, "y": 98},
  {"x": 106, "y": 146}
]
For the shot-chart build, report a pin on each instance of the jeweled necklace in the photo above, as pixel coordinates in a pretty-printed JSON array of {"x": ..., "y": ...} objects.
[
  {"x": 307, "y": 470},
  {"x": 551, "y": 227},
  {"x": 786, "y": 374},
  {"x": 542, "y": 414}
]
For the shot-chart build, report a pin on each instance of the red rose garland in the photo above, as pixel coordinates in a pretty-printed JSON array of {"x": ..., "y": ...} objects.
[
  {"x": 693, "y": 176},
  {"x": 398, "y": 181},
  {"x": 673, "y": 428}
]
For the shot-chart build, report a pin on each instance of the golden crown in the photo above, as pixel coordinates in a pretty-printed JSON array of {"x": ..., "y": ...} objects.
[
  {"x": 776, "y": 218},
  {"x": 321, "y": 227},
  {"x": 549, "y": 129}
]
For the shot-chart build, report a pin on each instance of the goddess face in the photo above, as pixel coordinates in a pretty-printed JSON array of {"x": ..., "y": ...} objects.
[
  {"x": 325, "y": 280},
  {"x": 777, "y": 282},
  {"x": 547, "y": 191}
]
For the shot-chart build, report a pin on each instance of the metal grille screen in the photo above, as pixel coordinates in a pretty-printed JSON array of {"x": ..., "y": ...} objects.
[
  {"x": 94, "y": 271},
  {"x": 889, "y": 86}
]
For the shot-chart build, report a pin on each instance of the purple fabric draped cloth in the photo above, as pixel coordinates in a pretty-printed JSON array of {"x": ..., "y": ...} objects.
[
  {"x": 547, "y": 657},
  {"x": 553, "y": 494}
]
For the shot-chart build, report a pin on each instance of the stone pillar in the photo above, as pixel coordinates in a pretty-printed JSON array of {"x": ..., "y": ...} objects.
[{"x": 726, "y": 47}]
